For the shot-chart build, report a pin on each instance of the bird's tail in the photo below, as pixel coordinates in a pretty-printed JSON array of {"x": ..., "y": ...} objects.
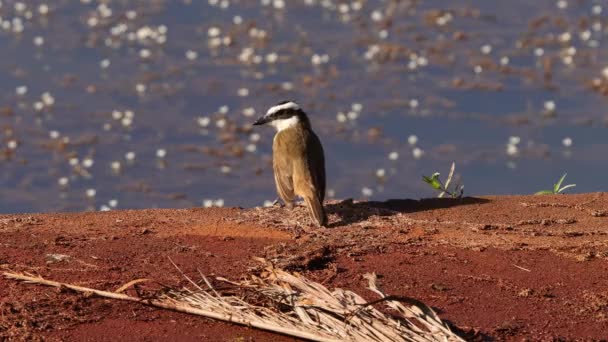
[{"x": 315, "y": 207}]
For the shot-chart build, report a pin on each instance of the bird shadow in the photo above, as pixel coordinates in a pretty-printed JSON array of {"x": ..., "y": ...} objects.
[{"x": 350, "y": 212}]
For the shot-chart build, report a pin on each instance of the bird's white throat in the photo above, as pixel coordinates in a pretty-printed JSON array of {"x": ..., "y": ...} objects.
[{"x": 282, "y": 124}]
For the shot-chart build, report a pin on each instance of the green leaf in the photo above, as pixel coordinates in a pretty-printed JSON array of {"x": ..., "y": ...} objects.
[
  {"x": 544, "y": 192},
  {"x": 558, "y": 185},
  {"x": 566, "y": 187},
  {"x": 460, "y": 190},
  {"x": 433, "y": 181},
  {"x": 450, "y": 175}
]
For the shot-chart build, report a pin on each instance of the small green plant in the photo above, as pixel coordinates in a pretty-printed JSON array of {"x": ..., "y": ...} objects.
[
  {"x": 557, "y": 187},
  {"x": 436, "y": 183}
]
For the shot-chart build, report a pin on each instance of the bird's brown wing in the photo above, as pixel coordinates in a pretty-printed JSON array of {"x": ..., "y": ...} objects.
[
  {"x": 283, "y": 170},
  {"x": 317, "y": 165}
]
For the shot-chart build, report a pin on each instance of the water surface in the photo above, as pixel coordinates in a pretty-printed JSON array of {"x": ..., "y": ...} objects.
[{"x": 136, "y": 104}]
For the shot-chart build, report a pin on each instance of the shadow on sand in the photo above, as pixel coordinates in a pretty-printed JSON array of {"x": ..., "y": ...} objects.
[{"x": 350, "y": 212}]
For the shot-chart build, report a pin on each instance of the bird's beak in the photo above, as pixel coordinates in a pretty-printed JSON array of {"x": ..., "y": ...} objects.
[{"x": 261, "y": 121}]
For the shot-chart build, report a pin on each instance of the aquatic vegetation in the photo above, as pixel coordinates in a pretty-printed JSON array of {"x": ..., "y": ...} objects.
[
  {"x": 557, "y": 187},
  {"x": 456, "y": 191}
]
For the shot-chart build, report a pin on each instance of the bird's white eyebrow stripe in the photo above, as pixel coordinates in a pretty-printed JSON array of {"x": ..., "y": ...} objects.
[{"x": 288, "y": 105}]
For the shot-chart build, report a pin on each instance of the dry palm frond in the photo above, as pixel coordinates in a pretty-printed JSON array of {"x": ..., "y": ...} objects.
[{"x": 302, "y": 308}]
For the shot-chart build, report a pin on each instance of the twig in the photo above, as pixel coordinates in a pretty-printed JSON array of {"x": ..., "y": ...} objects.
[
  {"x": 306, "y": 309},
  {"x": 522, "y": 268},
  {"x": 171, "y": 306},
  {"x": 131, "y": 283},
  {"x": 184, "y": 274}
]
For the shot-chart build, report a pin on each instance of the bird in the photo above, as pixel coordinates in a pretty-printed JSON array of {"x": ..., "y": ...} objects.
[{"x": 298, "y": 160}]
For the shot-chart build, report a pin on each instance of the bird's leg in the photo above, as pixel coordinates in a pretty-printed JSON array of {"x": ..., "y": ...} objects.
[{"x": 288, "y": 204}]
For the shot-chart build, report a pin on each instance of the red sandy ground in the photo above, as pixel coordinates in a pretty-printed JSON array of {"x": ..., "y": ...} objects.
[{"x": 504, "y": 268}]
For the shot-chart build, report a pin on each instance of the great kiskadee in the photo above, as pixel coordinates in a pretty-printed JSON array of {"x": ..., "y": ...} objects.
[{"x": 297, "y": 158}]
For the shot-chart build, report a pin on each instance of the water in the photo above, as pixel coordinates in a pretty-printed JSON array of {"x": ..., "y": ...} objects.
[{"x": 175, "y": 86}]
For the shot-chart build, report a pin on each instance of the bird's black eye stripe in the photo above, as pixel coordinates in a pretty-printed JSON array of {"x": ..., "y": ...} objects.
[{"x": 283, "y": 114}]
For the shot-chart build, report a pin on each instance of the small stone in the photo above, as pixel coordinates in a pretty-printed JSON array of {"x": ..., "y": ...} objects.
[{"x": 53, "y": 258}]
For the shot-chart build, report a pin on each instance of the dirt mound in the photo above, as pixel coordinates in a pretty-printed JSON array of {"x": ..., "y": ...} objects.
[{"x": 502, "y": 267}]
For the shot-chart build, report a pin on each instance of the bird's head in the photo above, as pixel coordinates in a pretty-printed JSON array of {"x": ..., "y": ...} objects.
[{"x": 283, "y": 115}]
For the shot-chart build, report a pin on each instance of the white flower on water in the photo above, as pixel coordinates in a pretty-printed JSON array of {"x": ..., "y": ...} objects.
[
  {"x": 87, "y": 163},
  {"x": 242, "y": 92},
  {"x": 105, "y": 63},
  {"x": 512, "y": 150},
  {"x": 21, "y": 90},
  {"x": 115, "y": 165},
  {"x": 203, "y": 121},
  {"x": 191, "y": 55},
  {"x": 550, "y": 106},
  {"x": 412, "y": 140},
  {"x": 367, "y": 192}
]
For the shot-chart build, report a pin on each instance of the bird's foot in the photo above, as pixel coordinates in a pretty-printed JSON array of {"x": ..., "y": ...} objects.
[{"x": 277, "y": 203}]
